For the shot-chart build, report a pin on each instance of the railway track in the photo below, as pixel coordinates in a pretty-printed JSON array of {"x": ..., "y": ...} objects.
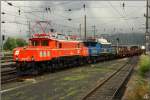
[
  {"x": 8, "y": 69},
  {"x": 112, "y": 86}
]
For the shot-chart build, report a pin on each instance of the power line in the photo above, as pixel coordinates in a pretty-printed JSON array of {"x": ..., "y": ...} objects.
[
  {"x": 118, "y": 12},
  {"x": 126, "y": 16},
  {"x": 66, "y": 17}
]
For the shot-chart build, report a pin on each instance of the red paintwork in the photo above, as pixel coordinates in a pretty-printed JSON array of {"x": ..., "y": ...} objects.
[{"x": 45, "y": 53}]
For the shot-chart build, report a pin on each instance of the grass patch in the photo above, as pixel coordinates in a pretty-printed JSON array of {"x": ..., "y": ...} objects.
[
  {"x": 96, "y": 69},
  {"x": 144, "y": 64},
  {"x": 75, "y": 78},
  {"x": 140, "y": 91},
  {"x": 70, "y": 92}
]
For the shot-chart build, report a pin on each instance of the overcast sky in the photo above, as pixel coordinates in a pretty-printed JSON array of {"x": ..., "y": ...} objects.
[{"x": 108, "y": 16}]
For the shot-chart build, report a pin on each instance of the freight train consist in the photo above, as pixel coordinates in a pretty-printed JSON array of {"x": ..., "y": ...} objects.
[
  {"x": 54, "y": 50},
  {"x": 51, "y": 50}
]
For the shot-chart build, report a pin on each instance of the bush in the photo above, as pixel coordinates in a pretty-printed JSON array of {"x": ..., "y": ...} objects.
[
  {"x": 21, "y": 42},
  {"x": 144, "y": 64},
  {"x": 12, "y": 43}
]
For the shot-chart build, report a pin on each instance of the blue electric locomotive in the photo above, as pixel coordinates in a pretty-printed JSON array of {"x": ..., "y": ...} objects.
[
  {"x": 105, "y": 47},
  {"x": 99, "y": 47}
]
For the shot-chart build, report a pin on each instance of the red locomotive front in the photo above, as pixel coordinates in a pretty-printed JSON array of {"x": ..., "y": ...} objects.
[
  {"x": 43, "y": 47},
  {"x": 38, "y": 49},
  {"x": 49, "y": 50}
]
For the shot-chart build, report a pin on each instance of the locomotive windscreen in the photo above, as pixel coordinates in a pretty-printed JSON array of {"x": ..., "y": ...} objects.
[
  {"x": 38, "y": 43},
  {"x": 44, "y": 43},
  {"x": 35, "y": 43},
  {"x": 93, "y": 44}
]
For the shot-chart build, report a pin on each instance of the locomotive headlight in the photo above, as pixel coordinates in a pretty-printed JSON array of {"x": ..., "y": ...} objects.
[{"x": 17, "y": 52}]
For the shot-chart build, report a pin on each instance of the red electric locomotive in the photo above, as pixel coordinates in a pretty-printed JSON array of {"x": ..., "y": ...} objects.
[{"x": 48, "y": 51}]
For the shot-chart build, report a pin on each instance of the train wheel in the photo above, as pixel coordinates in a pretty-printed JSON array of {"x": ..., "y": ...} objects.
[
  {"x": 35, "y": 70},
  {"x": 18, "y": 68}
]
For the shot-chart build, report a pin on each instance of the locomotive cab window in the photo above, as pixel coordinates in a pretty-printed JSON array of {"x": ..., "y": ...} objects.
[
  {"x": 44, "y": 43},
  {"x": 106, "y": 46},
  {"x": 35, "y": 43},
  {"x": 93, "y": 44},
  {"x": 78, "y": 45},
  {"x": 59, "y": 45}
]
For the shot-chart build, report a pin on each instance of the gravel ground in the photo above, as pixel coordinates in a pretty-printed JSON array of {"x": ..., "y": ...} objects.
[
  {"x": 130, "y": 85},
  {"x": 132, "y": 82},
  {"x": 71, "y": 84}
]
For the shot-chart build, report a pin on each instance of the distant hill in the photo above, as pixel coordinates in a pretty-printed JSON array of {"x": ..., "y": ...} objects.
[{"x": 126, "y": 39}]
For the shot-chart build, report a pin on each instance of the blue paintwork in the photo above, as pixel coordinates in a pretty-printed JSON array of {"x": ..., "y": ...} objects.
[{"x": 96, "y": 49}]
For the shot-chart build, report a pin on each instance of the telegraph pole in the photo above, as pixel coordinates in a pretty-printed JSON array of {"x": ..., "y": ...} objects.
[
  {"x": 84, "y": 23},
  {"x": 118, "y": 45},
  {"x": 94, "y": 31},
  {"x": 85, "y": 27},
  {"x": 2, "y": 37},
  {"x": 147, "y": 16},
  {"x": 80, "y": 30},
  {"x": 29, "y": 30},
  {"x": 147, "y": 36}
]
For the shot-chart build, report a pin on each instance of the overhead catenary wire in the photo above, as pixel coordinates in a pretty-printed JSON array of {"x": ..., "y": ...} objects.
[
  {"x": 118, "y": 12},
  {"x": 73, "y": 19},
  {"x": 123, "y": 7},
  {"x": 36, "y": 15}
]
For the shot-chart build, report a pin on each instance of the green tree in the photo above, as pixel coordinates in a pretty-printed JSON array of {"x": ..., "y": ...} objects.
[
  {"x": 10, "y": 44},
  {"x": 21, "y": 42}
]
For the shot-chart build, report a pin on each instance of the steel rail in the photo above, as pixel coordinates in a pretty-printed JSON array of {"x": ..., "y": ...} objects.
[{"x": 90, "y": 94}]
